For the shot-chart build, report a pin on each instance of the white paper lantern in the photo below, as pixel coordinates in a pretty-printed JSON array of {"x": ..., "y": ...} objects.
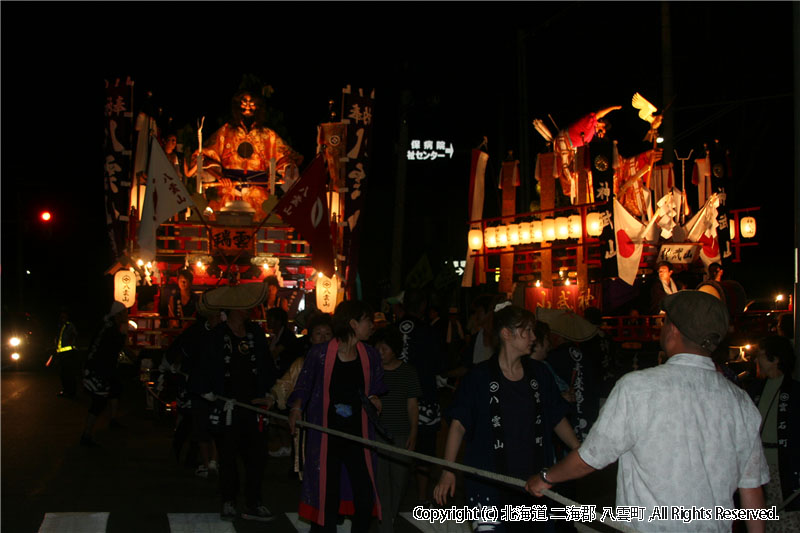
[
  {"x": 513, "y": 234},
  {"x": 125, "y": 287},
  {"x": 525, "y": 236},
  {"x": 574, "y": 225},
  {"x": 747, "y": 227},
  {"x": 490, "y": 237},
  {"x": 562, "y": 227},
  {"x": 594, "y": 224},
  {"x": 327, "y": 293},
  {"x": 548, "y": 230},
  {"x": 537, "y": 233},
  {"x": 475, "y": 238},
  {"x": 502, "y": 236}
]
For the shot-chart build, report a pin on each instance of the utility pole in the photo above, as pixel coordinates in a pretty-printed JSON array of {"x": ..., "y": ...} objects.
[
  {"x": 796, "y": 19},
  {"x": 523, "y": 123},
  {"x": 400, "y": 194},
  {"x": 668, "y": 84}
]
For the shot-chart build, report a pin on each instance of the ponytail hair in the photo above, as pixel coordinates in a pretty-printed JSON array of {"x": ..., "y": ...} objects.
[{"x": 507, "y": 316}]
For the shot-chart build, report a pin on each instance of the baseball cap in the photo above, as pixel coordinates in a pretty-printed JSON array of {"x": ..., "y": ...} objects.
[{"x": 699, "y": 316}]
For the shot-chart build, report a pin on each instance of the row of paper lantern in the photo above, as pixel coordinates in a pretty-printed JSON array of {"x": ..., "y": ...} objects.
[
  {"x": 547, "y": 230},
  {"x": 550, "y": 229}
]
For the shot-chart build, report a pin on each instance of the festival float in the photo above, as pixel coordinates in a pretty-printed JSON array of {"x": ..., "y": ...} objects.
[
  {"x": 244, "y": 207},
  {"x": 603, "y": 224}
]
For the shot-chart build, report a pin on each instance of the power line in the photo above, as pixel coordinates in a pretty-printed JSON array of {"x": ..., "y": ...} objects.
[{"x": 730, "y": 102}]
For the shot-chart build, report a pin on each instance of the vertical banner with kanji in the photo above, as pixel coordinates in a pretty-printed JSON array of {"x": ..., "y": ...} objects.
[
  {"x": 117, "y": 165},
  {"x": 331, "y": 141},
  {"x": 357, "y": 115}
]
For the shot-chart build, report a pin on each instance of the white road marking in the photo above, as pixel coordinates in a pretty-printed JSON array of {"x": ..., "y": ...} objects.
[
  {"x": 446, "y": 527},
  {"x": 198, "y": 523},
  {"x": 304, "y": 527},
  {"x": 74, "y": 523}
]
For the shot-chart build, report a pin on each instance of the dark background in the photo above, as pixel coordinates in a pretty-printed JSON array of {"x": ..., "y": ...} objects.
[{"x": 467, "y": 67}]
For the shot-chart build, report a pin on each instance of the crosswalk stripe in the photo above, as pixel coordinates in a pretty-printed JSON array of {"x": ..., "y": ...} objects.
[
  {"x": 211, "y": 523},
  {"x": 74, "y": 523},
  {"x": 466, "y": 527},
  {"x": 198, "y": 523},
  {"x": 304, "y": 527},
  {"x": 436, "y": 527}
]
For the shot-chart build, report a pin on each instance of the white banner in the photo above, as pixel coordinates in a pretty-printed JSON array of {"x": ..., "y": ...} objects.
[
  {"x": 629, "y": 233},
  {"x": 166, "y": 195},
  {"x": 477, "y": 181},
  {"x": 678, "y": 253}
]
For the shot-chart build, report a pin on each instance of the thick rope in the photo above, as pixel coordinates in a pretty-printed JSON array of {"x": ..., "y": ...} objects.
[{"x": 515, "y": 482}]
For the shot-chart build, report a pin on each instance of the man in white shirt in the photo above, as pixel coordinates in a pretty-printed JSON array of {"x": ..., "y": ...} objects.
[{"x": 683, "y": 434}]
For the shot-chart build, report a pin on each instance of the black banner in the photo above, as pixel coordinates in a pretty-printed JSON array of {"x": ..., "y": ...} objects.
[
  {"x": 358, "y": 116},
  {"x": 117, "y": 165}
]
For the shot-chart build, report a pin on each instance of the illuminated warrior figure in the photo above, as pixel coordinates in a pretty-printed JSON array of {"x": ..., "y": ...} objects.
[
  {"x": 245, "y": 150},
  {"x": 568, "y": 141}
]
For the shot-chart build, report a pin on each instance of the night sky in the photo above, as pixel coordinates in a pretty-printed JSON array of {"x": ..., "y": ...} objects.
[{"x": 732, "y": 68}]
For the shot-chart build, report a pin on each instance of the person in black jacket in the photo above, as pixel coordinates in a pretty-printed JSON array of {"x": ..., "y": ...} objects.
[
  {"x": 777, "y": 397},
  {"x": 422, "y": 350},
  {"x": 238, "y": 366},
  {"x": 184, "y": 358},
  {"x": 100, "y": 379}
]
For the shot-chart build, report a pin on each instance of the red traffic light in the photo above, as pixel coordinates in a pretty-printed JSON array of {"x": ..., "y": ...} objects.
[{"x": 45, "y": 216}]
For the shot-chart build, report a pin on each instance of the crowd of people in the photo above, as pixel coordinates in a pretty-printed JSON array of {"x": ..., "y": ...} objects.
[{"x": 527, "y": 397}]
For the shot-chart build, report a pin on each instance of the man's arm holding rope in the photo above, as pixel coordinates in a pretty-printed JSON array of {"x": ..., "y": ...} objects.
[
  {"x": 753, "y": 499},
  {"x": 569, "y": 468}
]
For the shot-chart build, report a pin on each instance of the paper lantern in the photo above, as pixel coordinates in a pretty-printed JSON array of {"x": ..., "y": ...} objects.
[
  {"x": 732, "y": 228},
  {"x": 475, "y": 238},
  {"x": 594, "y": 224},
  {"x": 125, "y": 287},
  {"x": 575, "y": 229},
  {"x": 327, "y": 293},
  {"x": 525, "y": 236},
  {"x": 747, "y": 227},
  {"x": 490, "y": 237},
  {"x": 502, "y": 236},
  {"x": 537, "y": 233},
  {"x": 513, "y": 234},
  {"x": 548, "y": 229},
  {"x": 562, "y": 227}
]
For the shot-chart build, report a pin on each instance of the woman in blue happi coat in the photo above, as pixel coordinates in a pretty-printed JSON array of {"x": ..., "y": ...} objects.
[{"x": 506, "y": 409}]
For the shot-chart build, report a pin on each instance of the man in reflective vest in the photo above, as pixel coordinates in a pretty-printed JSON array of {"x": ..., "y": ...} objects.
[{"x": 66, "y": 349}]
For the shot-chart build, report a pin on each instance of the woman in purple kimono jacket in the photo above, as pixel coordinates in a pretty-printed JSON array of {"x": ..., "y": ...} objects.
[{"x": 328, "y": 391}]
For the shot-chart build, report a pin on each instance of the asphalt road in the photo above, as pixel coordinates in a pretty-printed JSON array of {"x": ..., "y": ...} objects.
[{"x": 133, "y": 475}]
